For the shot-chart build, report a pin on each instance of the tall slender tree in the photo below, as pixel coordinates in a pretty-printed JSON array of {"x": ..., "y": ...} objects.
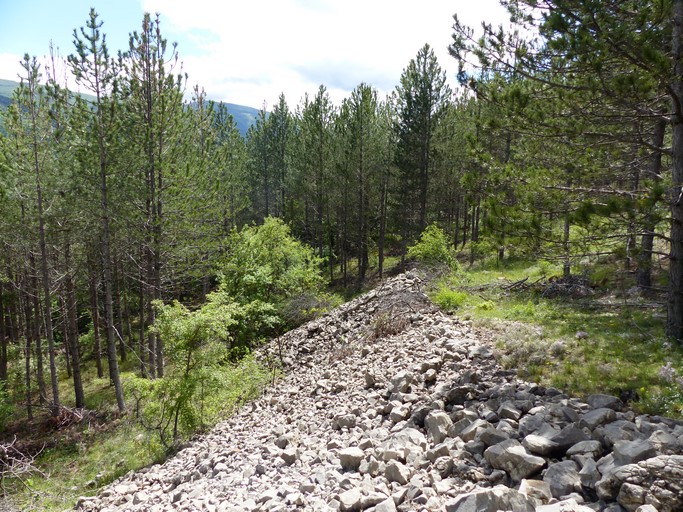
[
  {"x": 95, "y": 70},
  {"x": 422, "y": 96}
]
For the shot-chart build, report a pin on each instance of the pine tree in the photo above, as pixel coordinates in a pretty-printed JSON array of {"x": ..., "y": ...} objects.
[{"x": 422, "y": 96}]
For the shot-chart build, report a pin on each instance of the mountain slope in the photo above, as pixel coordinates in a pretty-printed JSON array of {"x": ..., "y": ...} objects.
[{"x": 244, "y": 116}]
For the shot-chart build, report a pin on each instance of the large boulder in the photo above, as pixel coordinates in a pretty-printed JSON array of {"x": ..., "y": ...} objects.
[
  {"x": 492, "y": 500},
  {"x": 512, "y": 457},
  {"x": 657, "y": 481}
]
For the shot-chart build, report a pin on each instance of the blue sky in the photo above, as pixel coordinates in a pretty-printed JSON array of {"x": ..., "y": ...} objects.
[
  {"x": 28, "y": 26},
  {"x": 250, "y": 51}
]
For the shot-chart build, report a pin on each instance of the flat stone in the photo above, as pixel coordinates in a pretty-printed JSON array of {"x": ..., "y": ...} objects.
[
  {"x": 597, "y": 417},
  {"x": 539, "y": 445},
  {"x": 630, "y": 452},
  {"x": 599, "y": 401}
]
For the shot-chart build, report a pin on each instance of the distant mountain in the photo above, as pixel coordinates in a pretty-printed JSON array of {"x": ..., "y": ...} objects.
[{"x": 244, "y": 116}]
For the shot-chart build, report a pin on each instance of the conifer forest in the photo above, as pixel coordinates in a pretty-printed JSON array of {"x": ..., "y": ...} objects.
[{"x": 148, "y": 244}]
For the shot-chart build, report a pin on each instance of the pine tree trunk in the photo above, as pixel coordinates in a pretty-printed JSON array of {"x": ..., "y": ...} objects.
[
  {"x": 28, "y": 335},
  {"x": 382, "y": 226},
  {"x": 95, "y": 316},
  {"x": 33, "y": 315},
  {"x": 674, "y": 324},
  {"x": 118, "y": 323},
  {"x": 107, "y": 273},
  {"x": 644, "y": 270},
  {"x": 3, "y": 337},
  {"x": 72, "y": 332},
  {"x": 65, "y": 332}
]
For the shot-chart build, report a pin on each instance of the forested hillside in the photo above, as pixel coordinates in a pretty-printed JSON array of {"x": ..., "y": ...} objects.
[
  {"x": 152, "y": 243},
  {"x": 244, "y": 116}
]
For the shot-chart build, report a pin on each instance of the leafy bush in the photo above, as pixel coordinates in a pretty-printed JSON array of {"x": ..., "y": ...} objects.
[
  {"x": 200, "y": 384},
  {"x": 434, "y": 249},
  {"x": 450, "y": 300},
  {"x": 267, "y": 263}
]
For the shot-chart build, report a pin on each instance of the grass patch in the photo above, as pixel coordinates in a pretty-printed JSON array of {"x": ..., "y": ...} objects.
[
  {"x": 84, "y": 457},
  {"x": 603, "y": 343}
]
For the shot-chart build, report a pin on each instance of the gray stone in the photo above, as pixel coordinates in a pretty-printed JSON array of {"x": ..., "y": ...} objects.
[
  {"x": 661, "y": 477},
  {"x": 289, "y": 455},
  {"x": 490, "y": 436},
  {"x": 400, "y": 383},
  {"x": 539, "y": 445},
  {"x": 646, "y": 508},
  {"x": 589, "y": 448},
  {"x": 491, "y": 500},
  {"x": 470, "y": 432},
  {"x": 630, "y": 452},
  {"x": 563, "y": 478},
  {"x": 350, "y": 458},
  {"x": 399, "y": 412},
  {"x": 350, "y": 500},
  {"x": 631, "y": 496},
  {"x": 437, "y": 424},
  {"x": 530, "y": 423},
  {"x": 570, "y": 505},
  {"x": 397, "y": 472},
  {"x": 509, "y": 411},
  {"x": 568, "y": 437},
  {"x": 536, "y": 489},
  {"x": 510, "y": 456},
  {"x": 597, "y": 417},
  {"x": 589, "y": 474},
  {"x": 387, "y": 505},
  {"x": 599, "y": 401},
  {"x": 345, "y": 421},
  {"x": 443, "y": 466},
  {"x": 664, "y": 441}
]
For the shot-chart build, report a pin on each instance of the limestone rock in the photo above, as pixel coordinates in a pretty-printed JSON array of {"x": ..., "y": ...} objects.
[
  {"x": 350, "y": 458},
  {"x": 491, "y": 500},
  {"x": 510, "y": 456},
  {"x": 563, "y": 478}
]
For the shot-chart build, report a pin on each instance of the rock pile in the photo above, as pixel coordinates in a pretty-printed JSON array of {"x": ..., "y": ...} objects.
[{"x": 388, "y": 404}]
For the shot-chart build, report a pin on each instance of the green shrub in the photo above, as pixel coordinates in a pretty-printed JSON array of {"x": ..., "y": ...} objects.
[
  {"x": 267, "y": 263},
  {"x": 434, "y": 248},
  {"x": 450, "y": 300}
]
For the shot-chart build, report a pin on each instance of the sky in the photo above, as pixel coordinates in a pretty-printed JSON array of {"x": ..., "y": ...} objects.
[{"x": 249, "y": 52}]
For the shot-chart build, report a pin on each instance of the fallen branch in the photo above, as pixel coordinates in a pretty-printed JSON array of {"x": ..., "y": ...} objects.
[{"x": 16, "y": 464}]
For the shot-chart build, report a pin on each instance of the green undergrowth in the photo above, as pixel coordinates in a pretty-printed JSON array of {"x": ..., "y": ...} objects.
[
  {"x": 81, "y": 458},
  {"x": 607, "y": 340}
]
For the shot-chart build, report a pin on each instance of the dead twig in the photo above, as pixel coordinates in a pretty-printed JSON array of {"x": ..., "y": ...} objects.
[{"x": 16, "y": 464}]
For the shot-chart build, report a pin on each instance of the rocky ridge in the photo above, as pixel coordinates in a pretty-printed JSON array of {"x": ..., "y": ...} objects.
[{"x": 388, "y": 404}]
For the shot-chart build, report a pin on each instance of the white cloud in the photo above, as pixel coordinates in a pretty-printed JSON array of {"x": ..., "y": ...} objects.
[
  {"x": 249, "y": 52},
  {"x": 10, "y": 67}
]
